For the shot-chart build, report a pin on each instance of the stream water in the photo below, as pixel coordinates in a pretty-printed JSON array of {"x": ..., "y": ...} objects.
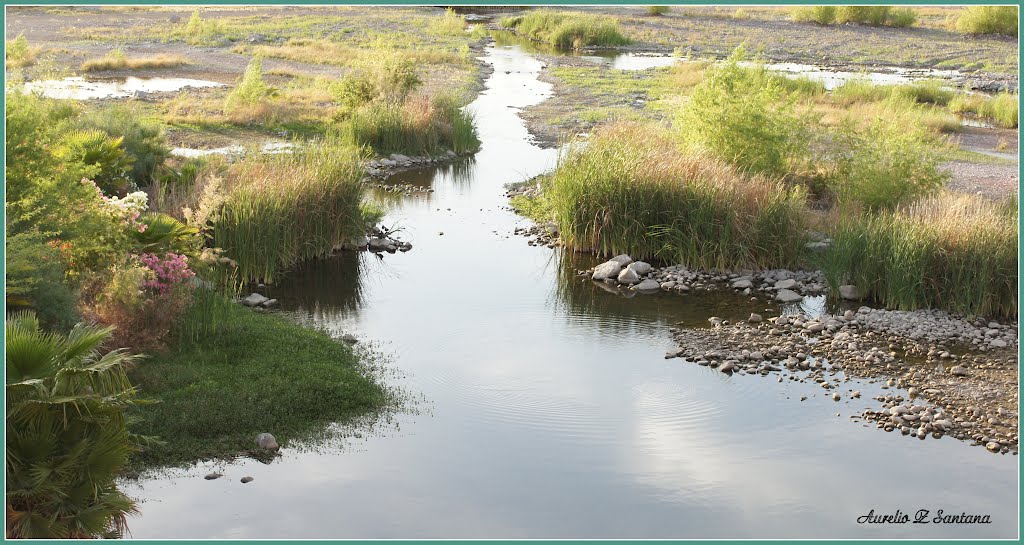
[{"x": 547, "y": 407}]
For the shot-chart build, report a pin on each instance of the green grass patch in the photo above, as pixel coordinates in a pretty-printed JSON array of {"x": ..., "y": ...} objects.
[
  {"x": 258, "y": 373},
  {"x": 1002, "y": 109},
  {"x": 631, "y": 190},
  {"x": 569, "y": 29},
  {"x": 955, "y": 252}
]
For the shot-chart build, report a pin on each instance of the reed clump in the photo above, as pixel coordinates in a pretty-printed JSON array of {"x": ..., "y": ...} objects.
[
  {"x": 118, "y": 60},
  {"x": 281, "y": 209},
  {"x": 955, "y": 252},
  {"x": 631, "y": 190},
  {"x": 568, "y": 29}
]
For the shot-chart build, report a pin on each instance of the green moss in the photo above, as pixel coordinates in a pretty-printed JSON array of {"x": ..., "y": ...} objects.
[{"x": 258, "y": 373}]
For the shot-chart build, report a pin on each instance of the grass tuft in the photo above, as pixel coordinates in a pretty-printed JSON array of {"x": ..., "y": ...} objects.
[
  {"x": 988, "y": 20},
  {"x": 569, "y": 30},
  {"x": 117, "y": 60}
]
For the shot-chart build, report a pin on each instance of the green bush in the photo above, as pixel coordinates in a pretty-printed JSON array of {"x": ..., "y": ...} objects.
[
  {"x": 658, "y": 10},
  {"x": 250, "y": 91},
  {"x": 630, "y": 190},
  {"x": 823, "y": 15},
  {"x": 955, "y": 252},
  {"x": 887, "y": 164},
  {"x": 104, "y": 153},
  {"x": 988, "y": 20},
  {"x": 19, "y": 53},
  {"x": 931, "y": 91},
  {"x": 142, "y": 141},
  {"x": 743, "y": 115},
  {"x": 902, "y": 17},
  {"x": 67, "y": 434},
  {"x": 35, "y": 280},
  {"x": 571, "y": 30},
  {"x": 867, "y": 15},
  {"x": 389, "y": 78}
]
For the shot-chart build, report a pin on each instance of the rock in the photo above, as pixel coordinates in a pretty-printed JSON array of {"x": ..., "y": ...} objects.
[
  {"x": 785, "y": 284},
  {"x": 267, "y": 441},
  {"x": 246, "y": 479},
  {"x": 814, "y": 327},
  {"x": 608, "y": 269},
  {"x": 992, "y": 446},
  {"x": 754, "y": 318},
  {"x": 253, "y": 300},
  {"x": 998, "y": 343},
  {"x": 788, "y": 296},
  {"x": 349, "y": 338},
  {"x": 622, "y": 260},
  {"x": 629, "y": 276},
  {"x": 212, "y": 476},
  {"x": 849, "y": 315},
  {"x": 269, "y": 303},
  {"x": 377, "y": 244},
  {"x": 641, "y": 268},
  {"x": 849, "y": 292},
  {"x": 727, "y": 367},
  {"x": 649, "y": 285},
  {"x": 399, "y": 158},
  {"x": 836, "y": 396},
  {"x": 816, "y": 247},
  {"x": 742, "y": 284},
  {"x": 959, "y": 370}
]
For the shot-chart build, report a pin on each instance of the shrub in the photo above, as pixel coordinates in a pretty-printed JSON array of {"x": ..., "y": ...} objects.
[
  {"x": 743, "y": 116},
  {"x": 96, "y": 149},
  {"x": 448, "y": 24},
  {"x": 630, "y": 190},
  {"x": 658, "y": 10},
  {"x": 571, "y": 30},
  {"x": 197, "y": 31},
  {"x": 955, "y": 252},
  {"x": 823, "y": 15},
  {"x": 143, "y": 141},
  {"x": 35, "y": 280},
  {"x": 988, "y": 20},
  {"x": 250, "y": 91},
  {"x": 887, "y": 164},
  {"x": 868, "y": 15},
  {"x": 67, "y": 436},
  {"x": 19, "y": 53},
  {"x": 902, "y": 17},
  {"x": 389, "y": 78}
]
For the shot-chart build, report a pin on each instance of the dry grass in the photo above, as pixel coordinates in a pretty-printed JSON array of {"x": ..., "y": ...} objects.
[
  {"x": 117, "y": 60},
  {"x": 317, "y": 51}
]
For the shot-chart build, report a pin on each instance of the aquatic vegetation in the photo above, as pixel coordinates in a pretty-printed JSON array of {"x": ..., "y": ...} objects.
[
  {"x": 279, "y": 210},
  {"x": 417, "y": 125},
  {"x": 568, "y": 29},
  {"x": 1003, "y": 108},
  {"x": 254, "y": 373},
  {"x": 117, "y": 60},
  {"x": 988, "y": 20},
  {"x": 631, "y": 190},
  {"x": 67, "y": 436},
  {"x": 956, "y": 252}
]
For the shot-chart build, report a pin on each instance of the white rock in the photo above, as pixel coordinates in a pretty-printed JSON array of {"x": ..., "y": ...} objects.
[
  {"x": 785, "y": 284},
  {"x": 628, "y": 276},
  {"x": 253, "y": 300},
  {"x": 742, "y": 284},
  {"x": 788, "y": 296},
  {"x": 622, "y": 259},
  {"x": 608, "y": 269},
  {"x": 641, "y": 267}
]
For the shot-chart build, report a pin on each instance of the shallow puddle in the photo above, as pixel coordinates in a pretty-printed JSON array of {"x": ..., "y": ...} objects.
[
  {"x": 550, "y": 410},
  {"x": 79, "y": 88}
]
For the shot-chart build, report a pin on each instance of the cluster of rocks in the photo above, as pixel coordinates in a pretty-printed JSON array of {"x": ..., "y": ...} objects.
[
  {"x": 622, "y": 270},
  {"x": 938, "y": 326},
  {"x": 398, "y": 188},
  {"x": 781, "y": 285},
  {"x": 540, "y": 235},
  {"x": 258, "y": 301},
  {"x": 377, "y": 241},
  {"x": 832, "y": 350},
  {"x": 385, "y": 166}
]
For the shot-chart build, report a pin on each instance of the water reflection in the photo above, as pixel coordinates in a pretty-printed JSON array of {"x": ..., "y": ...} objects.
[{"x": 79, "y": 88}]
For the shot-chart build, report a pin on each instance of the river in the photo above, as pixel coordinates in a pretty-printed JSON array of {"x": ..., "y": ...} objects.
[{"x": 546, "y": 407}]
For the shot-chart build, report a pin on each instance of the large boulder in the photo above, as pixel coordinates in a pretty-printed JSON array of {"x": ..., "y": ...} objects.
[
  {"x": 629, "y": 276},
  {"x": 267, "y": 441},
  {"x": 254, "y": 300},
  {"x": 641, "y": 267},
  {"x": 788, "y": 296},
  {"x": 622, "y": 259},
  {"x": 608, "y": 269}
]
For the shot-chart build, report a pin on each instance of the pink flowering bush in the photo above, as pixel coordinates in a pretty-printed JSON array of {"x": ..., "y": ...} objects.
[{"x": 170, "y": 270}]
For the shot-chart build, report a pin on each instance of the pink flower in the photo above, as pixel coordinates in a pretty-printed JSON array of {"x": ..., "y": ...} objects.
[{"x": 169, "y": 271}]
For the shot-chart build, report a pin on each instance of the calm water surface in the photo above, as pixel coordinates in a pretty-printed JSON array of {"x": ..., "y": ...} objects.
[{"x": 548, "y": 409}]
